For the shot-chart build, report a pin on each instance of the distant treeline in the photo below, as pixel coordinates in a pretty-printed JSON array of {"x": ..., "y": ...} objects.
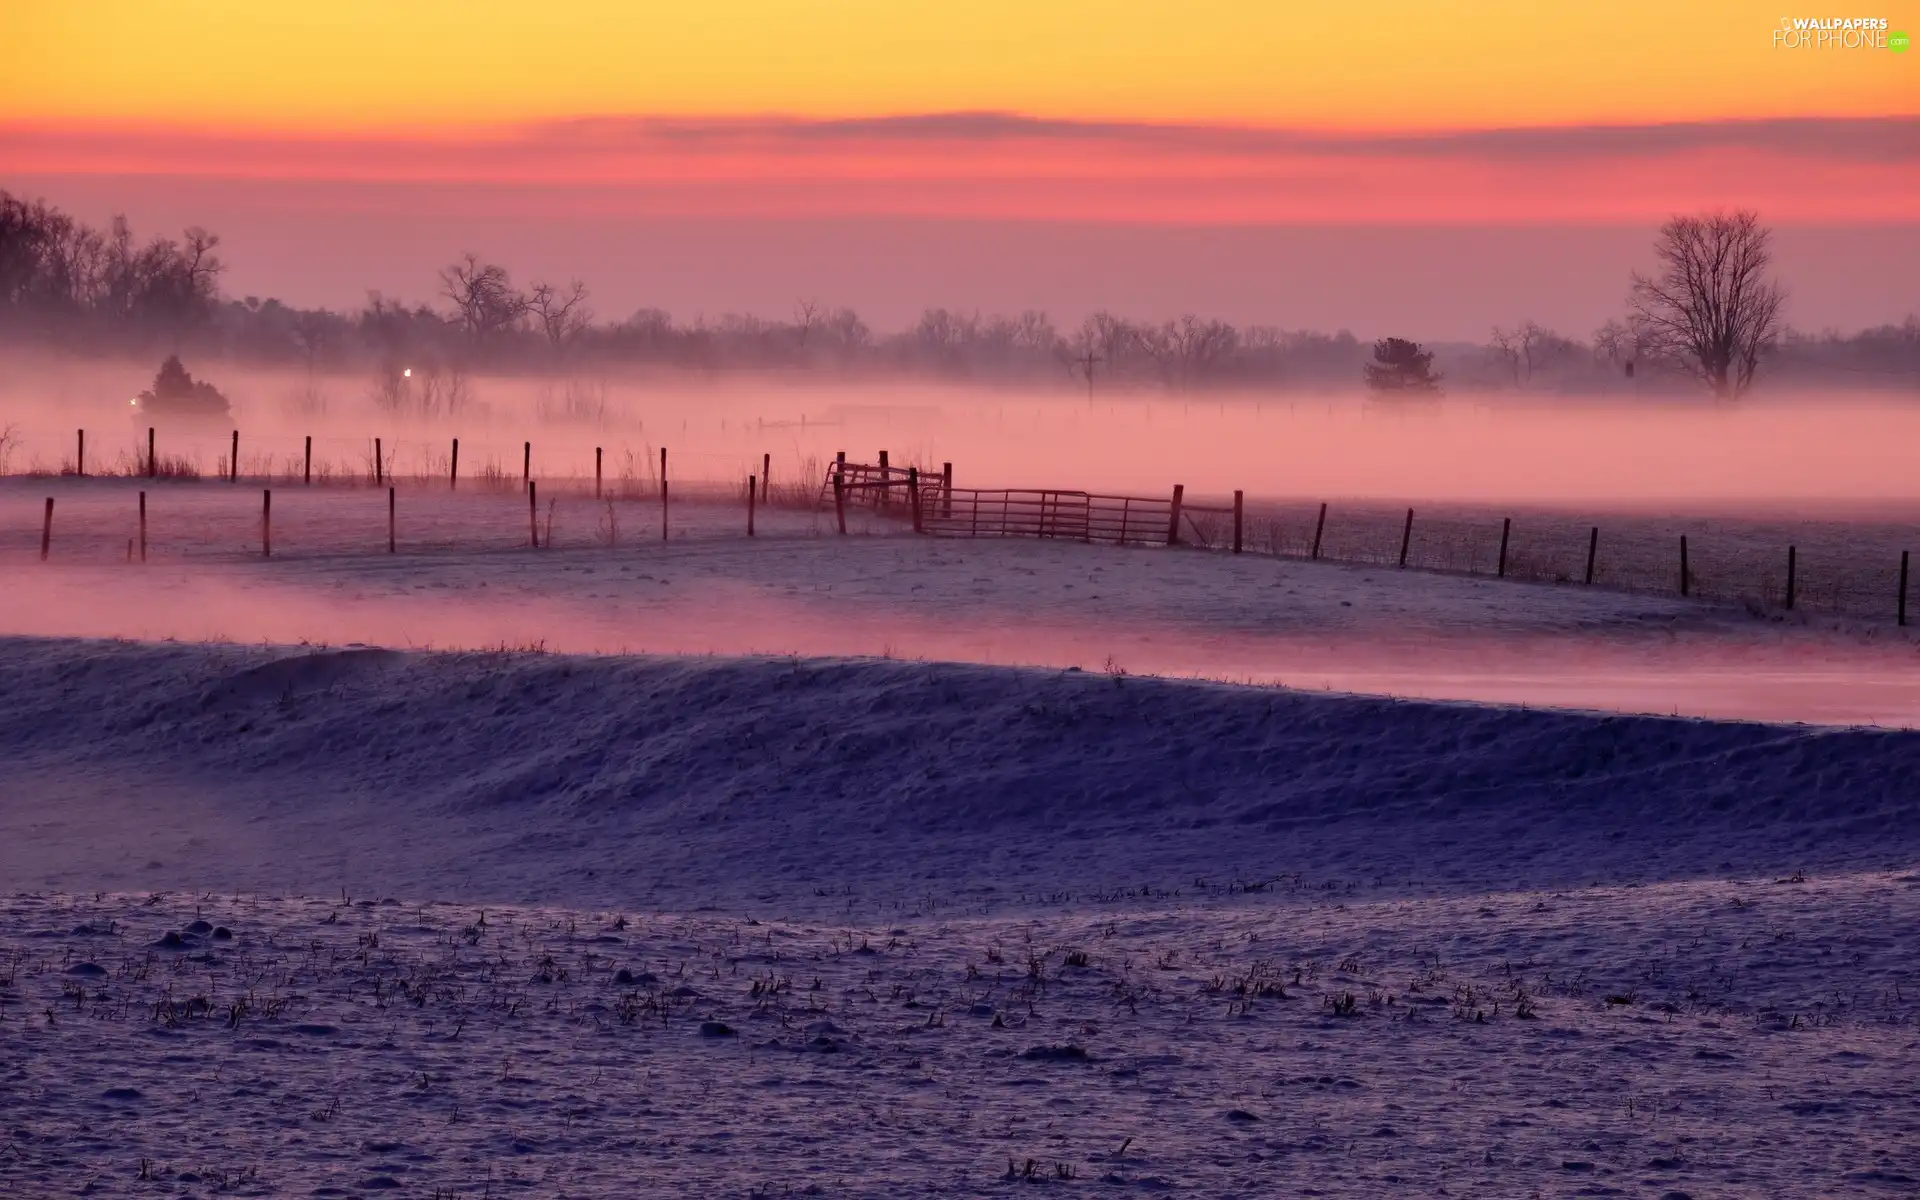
[{"x": 64, "y": 283}]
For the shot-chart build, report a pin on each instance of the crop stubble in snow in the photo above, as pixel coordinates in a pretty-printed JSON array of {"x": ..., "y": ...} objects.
[{"x": 1712, "y": 1038}]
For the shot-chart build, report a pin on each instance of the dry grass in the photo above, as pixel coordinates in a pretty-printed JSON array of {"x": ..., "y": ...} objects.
[{"x": 557, "y": 1032}]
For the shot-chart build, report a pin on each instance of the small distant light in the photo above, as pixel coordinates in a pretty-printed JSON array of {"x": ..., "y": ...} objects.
[
  {"x": 408, "y": 372},
  {"x": 135, "y": 403}
]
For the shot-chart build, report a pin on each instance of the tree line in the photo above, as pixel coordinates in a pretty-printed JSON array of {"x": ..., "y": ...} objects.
[
  {"x": 1710, "y": 314},
  {"x": 60, "y": 275}
]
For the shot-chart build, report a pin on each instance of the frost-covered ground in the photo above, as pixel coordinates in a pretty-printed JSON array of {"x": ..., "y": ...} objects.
[
  {"x": 464, "y": 578},
  {"x": 1725, "y": 1038},
  {"x": 771, "y": 884},
  {"x": 893, "y": 927}
]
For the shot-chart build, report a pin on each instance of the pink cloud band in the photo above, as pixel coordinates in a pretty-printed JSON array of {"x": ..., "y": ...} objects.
[{"x": 1003, "y": 166}]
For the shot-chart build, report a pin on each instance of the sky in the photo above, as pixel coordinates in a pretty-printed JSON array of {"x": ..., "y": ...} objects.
[{"x": 1001, "y": 155}]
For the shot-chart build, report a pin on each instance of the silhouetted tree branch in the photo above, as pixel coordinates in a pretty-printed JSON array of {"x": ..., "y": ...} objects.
[
  {"x": 562, "y": 316},
  {"x": 1712, "y": 305},
  {"x": 484, "y": 301}
]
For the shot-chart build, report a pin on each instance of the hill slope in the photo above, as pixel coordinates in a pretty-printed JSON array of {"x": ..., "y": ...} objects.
[{"x": 525, "y": 777}]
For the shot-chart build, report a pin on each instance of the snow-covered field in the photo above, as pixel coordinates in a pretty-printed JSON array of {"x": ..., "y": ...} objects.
[
  {"x": 875, "y": 866},
  {"x": 901, "y": 926},
  {"x": 464, "y": 577},
  {"x": 1704, "y": 1038}
]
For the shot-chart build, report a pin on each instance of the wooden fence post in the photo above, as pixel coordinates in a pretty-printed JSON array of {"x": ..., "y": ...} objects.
[
  {"x": 1173, "y": 514},
  {"x": 1593, "y": 549},
  {"x": 453, "y": 468},
  {"x": 526, "y": 466},
  {"x": 533, "y": 515},
  {"x": 152, "y": 463},
  {"x": 1506, "y": 531},
  {"x": 750, "y": 497},
  {"x": 766, "y": 474},
  {"x": 946, "y": 490},
  {"x": 886, "y": 480},
  {"x": 1406, "y": 539},
  {"x": 1903, "y": 586},
  {"x": 1239, "y": 505},
  {"x": 840, "y": 500},
  {"x": 596, "y": 472},
  {"x": 663, "y": 493},
  {"x": 307, "y": 474},
  {"x": 143, "y": 527},
  {"x": 1792, "y": 563},
  {"x": 46, "y": 531},
  {"x": 392, "y": 521},
  {"x": 379, "y": 463},
  {"x": 233, "y": 461},
  {"x": 913, "y": 497},
  {"x": 1685, "y": 583},
  {"x": 80, "y": 456},
  {"x": 266, "y": 523},
  {"x": 1319, "y": 527}
]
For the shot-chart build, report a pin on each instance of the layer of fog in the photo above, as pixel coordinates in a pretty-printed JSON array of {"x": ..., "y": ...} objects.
[
  {"x": 1775, "y": 449},
  {"x": 1314, "y": 626}
]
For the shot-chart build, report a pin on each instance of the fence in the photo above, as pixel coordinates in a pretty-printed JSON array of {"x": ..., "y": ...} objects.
[
  {"x": 1077, "y": 516},
  {"x": 443, "y": 504},
  {"x": 1855, "y": 568},
  {"x": 1736, "y": 561},
  {"x": 204, "y": 452},
  {"x": 882, "y": 485}
]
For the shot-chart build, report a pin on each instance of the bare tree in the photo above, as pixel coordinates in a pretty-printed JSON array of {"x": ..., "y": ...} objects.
[
  {"x": 808, "y": 315},
  {"x": 23, "y": 232},
  {"x": 1193, "y": 348},
  {"x": 849, "y": 333},
  {"x": 941, "y": 337},
  {"x": 1613, "y": 344},
  {"x": 74, "y": 264},
  {"x": 1620, "y": 346},
  {"x": 563, "y": 316},
  {"x": 1108, "y": 339},
  {"x": 1711, "y": 305},
  {"x": 483, "y": 298},
  {"x": 200, "y": 266},
  {"x": 1512, "y": 345},
  {"x": 1527, "y": 347},
  {"x": 310, "y": 330}
]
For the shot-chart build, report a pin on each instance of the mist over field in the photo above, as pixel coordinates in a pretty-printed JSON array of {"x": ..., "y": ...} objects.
[
  {"x": 775, "y": 600},
  {"x": 1784, "y": 449}
]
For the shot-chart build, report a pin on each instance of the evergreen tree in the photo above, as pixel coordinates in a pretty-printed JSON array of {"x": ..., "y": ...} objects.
[{"x": 1401, "y": 366}]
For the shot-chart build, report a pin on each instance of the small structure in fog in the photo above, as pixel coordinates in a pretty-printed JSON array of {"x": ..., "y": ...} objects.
[{"x": 177, "y": 394}]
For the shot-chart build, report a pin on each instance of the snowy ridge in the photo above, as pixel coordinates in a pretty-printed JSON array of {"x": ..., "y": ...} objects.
[
  {"x": 284, "y": 921},
  {"x": 668, "y": 782}
]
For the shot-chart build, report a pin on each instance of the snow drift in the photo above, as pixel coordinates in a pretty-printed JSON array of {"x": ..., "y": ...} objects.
[{"x": 633, "y": 781}]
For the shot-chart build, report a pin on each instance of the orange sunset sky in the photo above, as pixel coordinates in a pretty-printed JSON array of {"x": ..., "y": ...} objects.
[{"x": 576, "y": 134}]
